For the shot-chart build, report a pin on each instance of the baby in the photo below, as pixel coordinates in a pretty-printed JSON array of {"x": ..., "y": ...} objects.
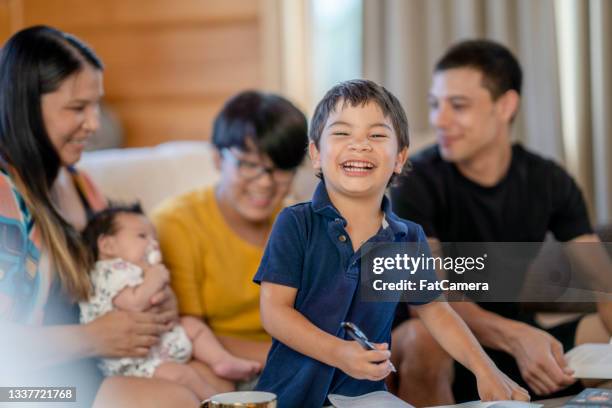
[{"x": 127, "y": 272}]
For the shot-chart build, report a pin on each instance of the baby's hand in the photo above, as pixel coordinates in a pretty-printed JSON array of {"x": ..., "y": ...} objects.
[
  {"x": 158, "y": 271},
  {"x": 493, "y": 385},
  {"x": 373, "y": 365}
]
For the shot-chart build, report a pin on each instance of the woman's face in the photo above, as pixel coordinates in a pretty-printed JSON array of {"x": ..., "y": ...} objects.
[
  {"x": 251, "y": 185},
  {"x": 71, "y": 113}
]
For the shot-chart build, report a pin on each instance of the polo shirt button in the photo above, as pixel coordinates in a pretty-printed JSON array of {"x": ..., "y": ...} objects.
[{"x": 342, "y": 238}]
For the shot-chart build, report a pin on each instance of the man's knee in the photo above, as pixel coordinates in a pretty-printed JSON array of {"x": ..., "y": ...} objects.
[
  {"x": 418, "y": 354},
  {"x": 591, "y": 329}
]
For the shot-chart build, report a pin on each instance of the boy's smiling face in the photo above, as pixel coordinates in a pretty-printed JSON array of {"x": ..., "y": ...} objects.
[{"x": 358, "y": 150}]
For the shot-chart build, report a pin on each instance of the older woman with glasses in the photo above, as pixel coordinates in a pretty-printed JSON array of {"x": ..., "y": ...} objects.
[{"x": 212, "y": 239}]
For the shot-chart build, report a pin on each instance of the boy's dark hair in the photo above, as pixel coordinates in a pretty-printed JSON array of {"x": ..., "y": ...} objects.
[
  {"x": 500, "y": 69},
  {"x": 276, "y": 127},
  {"x": 103, "y": 223},
  {"x": 358, "y": 92}
]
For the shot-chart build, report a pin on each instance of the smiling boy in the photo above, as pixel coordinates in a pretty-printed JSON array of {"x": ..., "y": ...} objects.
[{"x": 309, "y": 274}]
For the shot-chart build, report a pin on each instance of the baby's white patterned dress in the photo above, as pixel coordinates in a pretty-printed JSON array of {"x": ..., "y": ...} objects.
[{"x": 109, "y": 277}]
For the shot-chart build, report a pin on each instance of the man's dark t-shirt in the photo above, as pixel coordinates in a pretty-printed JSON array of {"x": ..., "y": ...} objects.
[{"x": 535, "y": 197}]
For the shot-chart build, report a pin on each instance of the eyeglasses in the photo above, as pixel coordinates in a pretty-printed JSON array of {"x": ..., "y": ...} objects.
[{"x": 250, "y": 170}]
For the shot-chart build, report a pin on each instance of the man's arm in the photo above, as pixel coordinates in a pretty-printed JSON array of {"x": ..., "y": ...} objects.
[
  {"x": 538, "y": 354},
  {"x": 588, "y": 253}
]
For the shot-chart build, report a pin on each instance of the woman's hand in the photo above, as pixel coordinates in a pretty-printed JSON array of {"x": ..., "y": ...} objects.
[
  {"x": 373, "y": 365},
  {"x": 125, "y": 334},
  {"x": 493, "y": 385}
]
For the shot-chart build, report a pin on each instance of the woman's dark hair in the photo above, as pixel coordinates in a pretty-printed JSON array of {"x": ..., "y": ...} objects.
[
  {"x": 34, "y": 62},
  {"x": 273, "y": 124},
  {"x": 104, "y": 223}
]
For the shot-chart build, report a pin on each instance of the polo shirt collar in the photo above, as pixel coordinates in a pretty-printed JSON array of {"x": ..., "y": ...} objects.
[{"x": 322, "y": 205}]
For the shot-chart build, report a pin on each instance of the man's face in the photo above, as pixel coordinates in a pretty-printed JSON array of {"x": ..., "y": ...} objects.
[{"x": 467, "y": 121}]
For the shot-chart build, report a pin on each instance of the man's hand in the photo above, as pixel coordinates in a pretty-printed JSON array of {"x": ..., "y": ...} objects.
[{"x": 540, "y": 359}]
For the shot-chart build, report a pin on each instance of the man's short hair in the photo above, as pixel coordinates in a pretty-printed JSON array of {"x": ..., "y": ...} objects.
[
  {"x": 359, "y": 92},
  {"x": 500, "y": 69}
]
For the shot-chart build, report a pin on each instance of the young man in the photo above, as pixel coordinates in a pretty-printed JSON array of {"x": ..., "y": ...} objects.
[{"x": 476, "y": 186}]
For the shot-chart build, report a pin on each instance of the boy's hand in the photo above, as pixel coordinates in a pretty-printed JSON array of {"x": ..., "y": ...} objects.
[
  {"x": 373, "y": 365},
  {"x": 493, "y": 385}
]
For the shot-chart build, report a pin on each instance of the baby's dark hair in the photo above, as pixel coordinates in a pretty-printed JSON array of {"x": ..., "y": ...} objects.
[{"x": 103, "y": 223}]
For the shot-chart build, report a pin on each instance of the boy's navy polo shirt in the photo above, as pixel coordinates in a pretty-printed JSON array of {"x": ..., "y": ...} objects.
[{"x": 310, "y": 250}]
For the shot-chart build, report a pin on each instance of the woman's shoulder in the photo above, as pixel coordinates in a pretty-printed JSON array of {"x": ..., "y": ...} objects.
[
  {"x": 12, "y": 204},
  {"x": 86, "y": 186},
  {"x": 186, "y": 204}
]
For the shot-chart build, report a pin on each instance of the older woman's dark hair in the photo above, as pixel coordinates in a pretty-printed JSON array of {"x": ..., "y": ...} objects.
[
  {"x": 273, "y": 124},
  {"x": 35, "y": 62}
]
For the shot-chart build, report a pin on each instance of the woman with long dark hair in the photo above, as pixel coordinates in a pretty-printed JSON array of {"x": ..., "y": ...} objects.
[{"x": 50, "y": 89}]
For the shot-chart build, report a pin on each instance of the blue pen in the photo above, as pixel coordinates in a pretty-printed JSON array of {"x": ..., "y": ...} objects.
[{"x": 359, "y": 337}]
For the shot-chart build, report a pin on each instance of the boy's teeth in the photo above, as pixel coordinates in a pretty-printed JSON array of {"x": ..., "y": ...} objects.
[{"x": 360, "y": 165}]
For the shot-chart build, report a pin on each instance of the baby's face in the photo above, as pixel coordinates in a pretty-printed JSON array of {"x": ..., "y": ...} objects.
[
  {"x": 358, "y": 150},
  {"x": 134, "y": 237}
]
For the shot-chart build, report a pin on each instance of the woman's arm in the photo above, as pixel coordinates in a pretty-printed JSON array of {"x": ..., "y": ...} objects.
[
  {"x": 290, "y": 327},
  {"x": 115, "y": 334}
]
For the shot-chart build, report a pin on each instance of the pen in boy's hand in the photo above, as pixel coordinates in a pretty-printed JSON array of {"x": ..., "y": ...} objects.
[{"x": 359, "y": 337}]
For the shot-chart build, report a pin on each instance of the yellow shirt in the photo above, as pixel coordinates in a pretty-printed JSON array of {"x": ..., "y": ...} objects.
[{"x": 211, "y": 267}]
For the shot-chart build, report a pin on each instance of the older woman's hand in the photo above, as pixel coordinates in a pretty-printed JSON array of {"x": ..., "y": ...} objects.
[{"x": 125, "y": 334}]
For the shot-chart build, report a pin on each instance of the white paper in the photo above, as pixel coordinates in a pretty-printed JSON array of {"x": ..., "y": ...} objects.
[
  {"x": 374, "y": 399},
  {"x": 493, "y": 404},
  {"x": 591, "y": 360}
]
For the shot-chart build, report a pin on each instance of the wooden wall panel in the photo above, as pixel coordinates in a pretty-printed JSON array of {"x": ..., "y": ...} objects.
[
  {"x": 153, "y": 122},
  {"x": 91, "y": 14},
  {"x": 5, "y": 20},
  {"x": 181, "y": 62},
  {"x": 170, "y": 64}
]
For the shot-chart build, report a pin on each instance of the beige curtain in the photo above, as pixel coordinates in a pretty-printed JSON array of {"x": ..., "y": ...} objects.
[{"x": 404, "y": 38}]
